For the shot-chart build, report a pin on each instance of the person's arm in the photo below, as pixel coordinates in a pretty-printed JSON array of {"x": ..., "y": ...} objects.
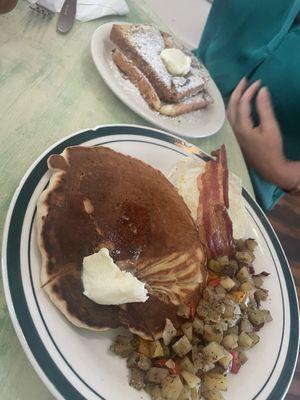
[{"x": 262, "y": 145}]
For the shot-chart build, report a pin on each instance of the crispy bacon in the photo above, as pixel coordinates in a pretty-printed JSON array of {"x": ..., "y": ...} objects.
[{"x": 213, "y": 221}]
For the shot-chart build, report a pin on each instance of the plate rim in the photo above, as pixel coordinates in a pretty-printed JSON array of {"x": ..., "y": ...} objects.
[
  {"x": 100, "y": 131},
  {"x": 148, "y": 117}
]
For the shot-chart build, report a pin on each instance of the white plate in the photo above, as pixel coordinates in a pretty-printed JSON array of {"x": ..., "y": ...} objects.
[
  {"x": 195, "y": 124},
  {"x": 76, "y": 364}
]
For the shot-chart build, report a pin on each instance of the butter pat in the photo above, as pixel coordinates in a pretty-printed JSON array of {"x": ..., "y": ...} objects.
[
  {"x": 105, "y": 283},
  {"x": 176, "y": 62}
]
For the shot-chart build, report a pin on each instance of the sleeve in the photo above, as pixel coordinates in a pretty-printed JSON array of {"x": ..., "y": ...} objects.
[{"x": 239, "y": 35}]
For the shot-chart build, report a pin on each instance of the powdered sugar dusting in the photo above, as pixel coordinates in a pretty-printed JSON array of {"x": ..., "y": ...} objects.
[
  {"x": 126, "y": 86},
  {"x": 151, "y": 43}
]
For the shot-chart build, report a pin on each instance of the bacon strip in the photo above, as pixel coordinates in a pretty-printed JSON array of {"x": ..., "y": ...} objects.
[{"x": 213, "y": 221}]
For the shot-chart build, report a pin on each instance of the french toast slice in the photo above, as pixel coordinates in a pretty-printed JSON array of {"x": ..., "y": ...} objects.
[
  {"x": 137, "y": 78},
  {"x": 142, "y": 44},
  {"x": 193, "y": 103}
]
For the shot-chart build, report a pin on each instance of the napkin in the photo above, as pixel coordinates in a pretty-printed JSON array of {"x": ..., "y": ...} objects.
[{"x": 89, "y": 9}]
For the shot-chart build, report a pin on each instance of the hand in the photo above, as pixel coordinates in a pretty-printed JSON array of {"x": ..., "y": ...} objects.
[{"x": 261, "y": 145}]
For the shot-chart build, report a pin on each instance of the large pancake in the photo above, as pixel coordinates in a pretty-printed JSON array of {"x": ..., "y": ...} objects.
[{"x": 98, "y": 197}]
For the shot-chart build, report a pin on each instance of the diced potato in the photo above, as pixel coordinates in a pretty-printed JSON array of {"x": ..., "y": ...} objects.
[
  {"x": 139, "y": 360},
  {"x": 185, "y": 393},
  {"x": 261, "y": 294},
  {"x": 215, "y": 265},
  {"x": 122, "y": 346},
  {"x": 258, "y": 281},
  {"x": 202, "y": 309},
  {"x": 234, "y": 321},
  {"x": 239, "y": 244},
  {"x": 245, "y": 340},
  {"x": 251, "y": 244},
  {"x": 194, "y": 394},
  {"x": 197, "y": 358},
  {"x": 156, "y": 393},
  {"x": 214, "y": 351},
  {"x": 182, "y": 346},
  {"x": 218, "y": 306},
  {"x": 223, "y": 325},
  {"x": 243, "y": 357},
  {"x": 213, "y": 294},
  {"x": 255, "y": 338},
  {"x": 220, "y": 291},
  {"x": 237, "y": 309},
  {"x": 198, "y": 326},
  {"x": 169, "y": 332},
  {"x": 196, "y": 339},
  {"x": 149, "y": 387},
  {"x": 172, "y": 387},
  {"x": 229, "y": 311},
  {"x": 213, "y": 333},
  {"x": 187, "y": 329},
  {"x": 137, "y": 378},
  {"x": 230, "y": 341},
  {"x": 233, "y": 329},
  {"x": 225, "y": 361},
  {"x": 133, "y": 359},
  {"x": 156, "y": 349},
  {"x": 156, "y": 375},
  {"x": 214, "y": 381},
  {"x": 191, "y": 379},
  {"x": 268, "y": 316},
  {"x": 213, "y": 316},
  {"x": 231, "y": 269},
  {"x": 144, "y": 347},
  {"x": 244, "y": 257},
  {"x": 187, "y": 365},
  {"x": 246, "y": 325},
  {"x": 258, "y": 317},
  {"x": 212, "y": 395},
  {"x": 227, "y": 283},
  {"x": 166, "y": 350},
  {"x": 184, "y": 311},
  {"x": 208, "y": 366},
  {"x": 243, "y": 275},
  {"x": 223, "y": 260},
  {"x": 247, "y": 287}
]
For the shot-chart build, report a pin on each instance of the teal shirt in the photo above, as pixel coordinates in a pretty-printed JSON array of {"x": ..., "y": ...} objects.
[{"x": 259, "y": 39}]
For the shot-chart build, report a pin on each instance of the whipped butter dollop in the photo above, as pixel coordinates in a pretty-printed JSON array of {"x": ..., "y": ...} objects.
[
  {"x": 105, "y": 283},
  {"x": 176, "y": 62}
]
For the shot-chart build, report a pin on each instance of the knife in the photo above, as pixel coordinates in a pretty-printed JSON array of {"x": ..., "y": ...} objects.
[{"x": 66, "y": 16}]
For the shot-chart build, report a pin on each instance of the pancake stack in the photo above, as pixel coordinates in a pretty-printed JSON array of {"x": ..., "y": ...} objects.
[{"x": 101, "y": 198}]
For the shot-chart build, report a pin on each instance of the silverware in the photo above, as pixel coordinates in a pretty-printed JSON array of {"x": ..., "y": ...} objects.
[
  {"x": 42, "y": 9},
  {"x": 67, "y": 16}
]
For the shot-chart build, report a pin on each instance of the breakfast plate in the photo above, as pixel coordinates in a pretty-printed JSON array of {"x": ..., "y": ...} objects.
[
  {"x": 77, "y": 364},
  {"x": 200, "y": 123}
]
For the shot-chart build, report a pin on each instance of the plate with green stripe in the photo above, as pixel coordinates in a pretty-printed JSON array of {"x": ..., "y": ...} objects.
[{"x": 77, "y": 364}]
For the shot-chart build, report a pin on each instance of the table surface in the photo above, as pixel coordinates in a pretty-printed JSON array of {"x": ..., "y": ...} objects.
[{"x": 49, "y": 88}]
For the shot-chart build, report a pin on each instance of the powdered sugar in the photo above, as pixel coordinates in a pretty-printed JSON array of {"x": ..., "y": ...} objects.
[
  {"x": 192, "y": 119},
  {"x": 149, "y": 40}
]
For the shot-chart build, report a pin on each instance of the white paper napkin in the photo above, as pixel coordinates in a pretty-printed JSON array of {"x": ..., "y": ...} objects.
[{"x": 89, "y": 9}]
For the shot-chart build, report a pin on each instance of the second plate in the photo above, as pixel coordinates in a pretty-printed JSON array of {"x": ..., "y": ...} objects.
[{"x": 195, "y": 124}]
